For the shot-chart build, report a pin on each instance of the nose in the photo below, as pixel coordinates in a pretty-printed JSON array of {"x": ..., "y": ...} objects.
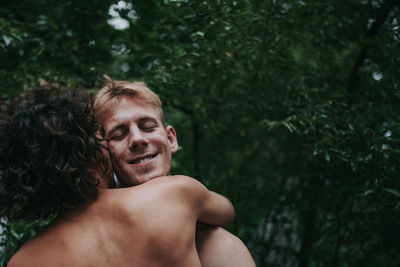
[{"x": 137, "y": 138}]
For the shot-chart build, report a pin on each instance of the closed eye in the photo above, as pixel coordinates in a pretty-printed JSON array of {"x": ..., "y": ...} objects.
[
  {"x": 117, "y": 137},
  {"x": 118, "y": 134},
  {"x": 148, "y": 125}
]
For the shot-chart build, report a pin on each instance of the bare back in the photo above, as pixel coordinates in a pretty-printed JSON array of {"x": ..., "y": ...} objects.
[{"x": 146, "y": 225}]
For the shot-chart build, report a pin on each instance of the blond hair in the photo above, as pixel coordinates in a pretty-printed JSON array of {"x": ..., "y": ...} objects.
[{"x": 111, "y": 93}]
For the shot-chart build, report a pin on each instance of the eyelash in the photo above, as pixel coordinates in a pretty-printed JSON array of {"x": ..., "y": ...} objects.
[
  {"x": 117, "y": 137},
  {"x": 144, "y": 128},
  {"x": 147, "y": 128}
]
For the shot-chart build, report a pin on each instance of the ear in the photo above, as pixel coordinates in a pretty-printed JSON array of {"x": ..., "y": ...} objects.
[{"x": 173, "y": 141}]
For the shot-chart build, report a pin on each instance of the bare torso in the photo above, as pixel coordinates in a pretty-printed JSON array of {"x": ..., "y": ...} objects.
[{"x": 140, "y": 226}]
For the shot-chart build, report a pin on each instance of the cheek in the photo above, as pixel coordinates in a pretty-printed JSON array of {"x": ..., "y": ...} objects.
[
  {"x": 167, "y": 160},
  {"x": 115, "y": 149}
]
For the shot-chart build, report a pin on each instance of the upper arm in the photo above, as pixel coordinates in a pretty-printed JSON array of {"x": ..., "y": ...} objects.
[{"x": 208, "y": 206}]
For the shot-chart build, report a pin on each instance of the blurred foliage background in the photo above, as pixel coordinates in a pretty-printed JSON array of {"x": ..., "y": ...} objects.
[{"x": 289, "y": 108}]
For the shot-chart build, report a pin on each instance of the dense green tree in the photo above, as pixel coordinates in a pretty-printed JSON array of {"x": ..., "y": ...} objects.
[
  {"x": 66, "y": 42},
  {"x": 291, "y": 109}
]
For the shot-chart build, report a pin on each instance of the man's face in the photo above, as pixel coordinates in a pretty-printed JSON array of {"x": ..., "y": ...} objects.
[{"x": 141, "y": 148}]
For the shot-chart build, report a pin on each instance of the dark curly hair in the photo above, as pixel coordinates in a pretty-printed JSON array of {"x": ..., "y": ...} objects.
[{"x": 49, "y": 149}]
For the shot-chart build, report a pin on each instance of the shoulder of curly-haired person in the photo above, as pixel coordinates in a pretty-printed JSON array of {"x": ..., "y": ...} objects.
[{"x": 48, "y": 147}]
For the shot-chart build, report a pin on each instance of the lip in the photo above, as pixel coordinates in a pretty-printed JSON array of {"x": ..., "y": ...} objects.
[{"x": 151, "y": 156}]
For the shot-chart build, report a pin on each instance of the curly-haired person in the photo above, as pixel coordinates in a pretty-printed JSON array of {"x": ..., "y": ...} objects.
[{"x": 53, "y": 163}]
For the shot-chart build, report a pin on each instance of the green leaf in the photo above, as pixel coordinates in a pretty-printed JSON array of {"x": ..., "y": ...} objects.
[{"x": 392, "y": 191}]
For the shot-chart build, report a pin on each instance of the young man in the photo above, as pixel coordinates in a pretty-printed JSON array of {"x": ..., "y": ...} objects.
[
  {"x": 51, "y": 162},
  {"x": 141, "y": 147}
]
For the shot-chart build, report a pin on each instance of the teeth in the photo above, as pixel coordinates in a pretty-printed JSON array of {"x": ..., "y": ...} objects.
[{"x": 142, "y": 160}]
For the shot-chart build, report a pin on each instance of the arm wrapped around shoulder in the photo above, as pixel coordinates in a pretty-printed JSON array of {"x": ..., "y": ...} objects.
[{"x": 210, "y": 207}]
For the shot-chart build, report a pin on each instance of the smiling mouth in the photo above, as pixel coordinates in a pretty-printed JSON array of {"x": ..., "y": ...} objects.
[{"x": 143, "y": 160}]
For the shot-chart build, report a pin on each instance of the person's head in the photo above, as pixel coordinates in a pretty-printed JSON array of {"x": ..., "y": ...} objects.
[
  {"x": 140, "y": 142},
  {"x": 49, "y": 154}
]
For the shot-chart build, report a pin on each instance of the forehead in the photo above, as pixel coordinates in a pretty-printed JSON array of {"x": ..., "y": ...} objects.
[{"x": 127, "y": 110}]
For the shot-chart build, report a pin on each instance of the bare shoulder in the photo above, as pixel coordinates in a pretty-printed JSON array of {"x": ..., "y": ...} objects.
[
  {"x": 25, "y": 256},
  {"x": 165, "y": 185},
  {"x": 178, "y": 183},
  {"x": 14, "y": 262},
  {"x": 176, "y": 187},
  {"x": 174, "y": 180},
  {"x": 18, "y": 260},
  {"x": 178, "y": 190}
]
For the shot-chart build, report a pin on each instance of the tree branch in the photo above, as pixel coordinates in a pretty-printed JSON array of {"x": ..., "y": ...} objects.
[{"x": 381, "y": 17}]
